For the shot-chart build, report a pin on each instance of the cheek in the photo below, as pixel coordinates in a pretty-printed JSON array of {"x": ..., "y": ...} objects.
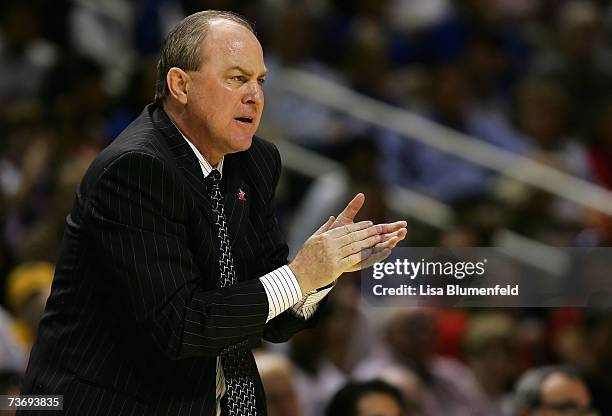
[
  {"x": 213, "y": 110},
  {"x": 199, "y": 104}
]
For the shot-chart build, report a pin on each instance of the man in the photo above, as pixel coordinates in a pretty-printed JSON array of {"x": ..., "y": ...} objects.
[
  {"x": 173, "y": 267},
  {"x": 552, "y": 391},
  {"x": 367, "y": 398}
]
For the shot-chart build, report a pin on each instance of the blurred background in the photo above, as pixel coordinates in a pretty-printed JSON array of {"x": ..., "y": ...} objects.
[{"x": 481, "y": 122}]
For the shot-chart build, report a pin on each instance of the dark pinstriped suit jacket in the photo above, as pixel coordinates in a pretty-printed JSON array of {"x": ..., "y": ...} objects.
[{"x": 135, "y": 320}]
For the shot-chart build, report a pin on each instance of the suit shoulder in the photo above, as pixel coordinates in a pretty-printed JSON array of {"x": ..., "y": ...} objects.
[
  {"x": 110, "y": 161},
  {"x": 137, "y": 145},
  {"x": 264, "y": 150},
  {"x": 141, "y": 135},
  {"x": 113, "y": 155}
]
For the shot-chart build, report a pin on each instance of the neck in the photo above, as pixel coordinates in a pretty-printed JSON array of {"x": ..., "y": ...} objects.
[{"x": 181, "y": 120}]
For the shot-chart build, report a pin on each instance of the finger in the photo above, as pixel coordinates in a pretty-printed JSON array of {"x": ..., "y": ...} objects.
[
  {"x": 375, "y": 257},
  {"x": 349, "y": 228},
  {"x": 360, "y": 235},
  {"x": 391, "y": 243},
  {"x": 391, "y": 240},
  {"x": 367, "y": 253},
  {"x": 360, "y": 245},
  {"x": 394, "y": 226},
  {"x": 364, "y": 255},
  {"x": 351, "y": 210},
  {"x": 358, "y": 261},
  {"x": 356, "y": 236},
  {"x": 348, "y": 263},
  {"x": 389, "y": 236},
  {"x": 325, "y": 226}
]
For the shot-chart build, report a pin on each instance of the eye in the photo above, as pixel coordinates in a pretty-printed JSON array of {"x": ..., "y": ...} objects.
[
  {"x": 239, "y": 78},
  {"x": 261, "y": 81}
]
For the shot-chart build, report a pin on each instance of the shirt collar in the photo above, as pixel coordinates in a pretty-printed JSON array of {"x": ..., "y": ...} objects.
[{"x": 204, "y": 164}]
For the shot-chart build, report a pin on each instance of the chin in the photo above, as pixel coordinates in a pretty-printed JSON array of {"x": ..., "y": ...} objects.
[{"x": 240, "y": 144}]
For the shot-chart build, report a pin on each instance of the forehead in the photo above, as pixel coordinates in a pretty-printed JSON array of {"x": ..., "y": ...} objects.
[
  {"x": 559, "y": 386},
  {"x": 229, "y": 44}
]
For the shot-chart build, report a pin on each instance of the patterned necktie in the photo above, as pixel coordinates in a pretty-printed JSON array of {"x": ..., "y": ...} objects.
[{"x": 236, "y": 362}]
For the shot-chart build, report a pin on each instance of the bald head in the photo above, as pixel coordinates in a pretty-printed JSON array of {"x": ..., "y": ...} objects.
[{"x": 551, "y": 389}]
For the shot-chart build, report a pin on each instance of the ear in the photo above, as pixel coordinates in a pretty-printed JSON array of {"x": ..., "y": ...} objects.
[{"x": 178, "y": 81}]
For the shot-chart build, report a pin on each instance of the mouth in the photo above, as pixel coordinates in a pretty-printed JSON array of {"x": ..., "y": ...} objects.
[{"x": 245, "y": 120}]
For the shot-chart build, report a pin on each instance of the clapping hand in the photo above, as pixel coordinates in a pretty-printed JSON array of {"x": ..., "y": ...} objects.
[
  {"x": 341, "y": 245},
  {"x": 394, "y": 233}
]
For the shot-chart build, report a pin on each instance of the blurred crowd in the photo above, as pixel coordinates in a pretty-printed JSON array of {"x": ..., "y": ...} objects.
[{"x": 533, "y": 77}]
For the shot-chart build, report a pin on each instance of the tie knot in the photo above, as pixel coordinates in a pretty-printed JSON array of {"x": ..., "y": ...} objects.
[
  {"x": 214, "y": 177},
  {"x": 212, "y": 181}
]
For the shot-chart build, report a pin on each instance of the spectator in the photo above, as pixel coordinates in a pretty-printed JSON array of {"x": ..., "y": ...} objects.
[
  {"x": 327, "y": 356},
  {"x": 24, "y": 56},
  {"x": 438, "y": 174},
  {"x": 410, "y": 343},
  {"x": 277, "y": 377},
  {"x": 600, "y": 148},
  {"x": 369, "y": 398},
  {"x": 13, "y": 355},
  {"x": 542, "y": 118},
  {"x": 42, "y": 238},
  {"x": 555, "y": 390},
  {"x": 28, "y": 178},
  {"x": 488, "y": 68},
  {"x": 294, "y": 49},
  {"x": 28, "y": 287},
  {"x": 490, "y": 352},
  {"x": 598, "y": 338},
  {"x": 135, "y": 98},
  {"x": 409, "y": 384},
  {"x": 582, "y": 60}
]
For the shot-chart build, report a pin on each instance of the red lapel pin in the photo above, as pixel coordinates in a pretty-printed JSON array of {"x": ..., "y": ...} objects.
[{"x": 241, "y": 195}]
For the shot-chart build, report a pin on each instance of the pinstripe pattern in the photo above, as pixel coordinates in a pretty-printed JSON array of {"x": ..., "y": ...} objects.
[
  {"x": 282, "y": 288},
  {"x": 135, "y": 320}
]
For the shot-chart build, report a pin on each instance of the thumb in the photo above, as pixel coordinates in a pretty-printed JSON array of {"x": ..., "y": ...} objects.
[
  {"x": 351, "y": 210},
  {"x": 325, "y": 226}
]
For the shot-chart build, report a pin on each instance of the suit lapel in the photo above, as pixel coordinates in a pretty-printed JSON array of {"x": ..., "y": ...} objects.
[
  {"x": 237, "y": 196},
  {"x": 185, "y": 159}
]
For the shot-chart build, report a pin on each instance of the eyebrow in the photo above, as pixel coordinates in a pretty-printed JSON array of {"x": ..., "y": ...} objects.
[{"x": 245, "y": 72}]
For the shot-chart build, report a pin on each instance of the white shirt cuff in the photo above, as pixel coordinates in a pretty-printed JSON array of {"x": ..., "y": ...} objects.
[
  {"x": 282, "y": 289},
  {"x": 308, "y": 305}
]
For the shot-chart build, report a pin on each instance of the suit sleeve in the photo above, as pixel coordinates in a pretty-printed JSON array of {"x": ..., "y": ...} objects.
[
  {"x": 283, "y": 326},
  {"x": 136, "y": 213}
]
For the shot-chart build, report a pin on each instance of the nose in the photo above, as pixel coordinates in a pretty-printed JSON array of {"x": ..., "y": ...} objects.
[{"x": 254, "y": 94}]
